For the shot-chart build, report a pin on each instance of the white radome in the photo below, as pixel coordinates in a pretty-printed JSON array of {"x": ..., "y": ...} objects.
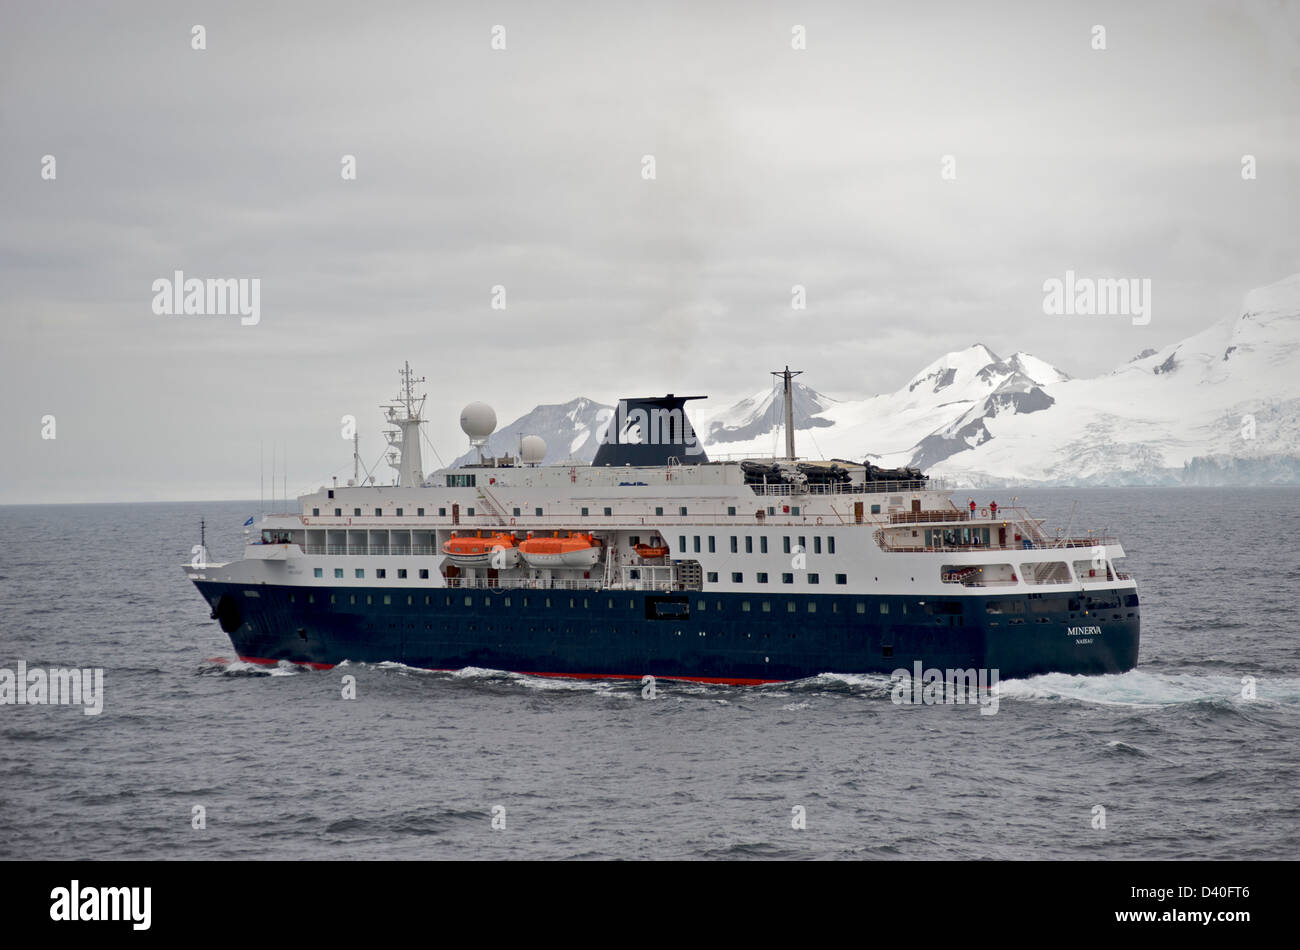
[
  {"x": 532, "y": 449},
  {"x": 478, "y": 420}
]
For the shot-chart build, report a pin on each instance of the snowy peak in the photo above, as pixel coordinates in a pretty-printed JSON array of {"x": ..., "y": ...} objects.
[
  {"x": 759, "y": 414},
  {"x": 571, "y": 430},
  {"x": 954, "y": 371}
]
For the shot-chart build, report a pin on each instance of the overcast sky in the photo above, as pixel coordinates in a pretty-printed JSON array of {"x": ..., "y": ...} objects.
[{"x": 523, "y": 167}]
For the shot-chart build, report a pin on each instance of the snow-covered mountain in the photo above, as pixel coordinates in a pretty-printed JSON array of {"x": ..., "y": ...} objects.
[
  {"x": 570, "y": 431},
  {"x": 1220, "y": 407}
]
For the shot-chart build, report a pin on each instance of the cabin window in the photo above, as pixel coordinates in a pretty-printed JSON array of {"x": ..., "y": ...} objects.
[
  {"x": 338, "y": 572},
  {"x": 762, "y": 577},
  {"x": 696, "y": 543},
  {"x": 749, "y": 544},
  {"x": 830, "y": 544},
  {"x": 460, "y": 481},
  {"x": 737, "y": 577},
  {"x": 884, "y": 608},
  {"x": 338, "y": 512},
  {"x": 790, "y": 606},
  {"x": 794, "y": 510},
  {"x": 424, "y": 573},
  {"x": 470, "y": 512},
  {"x": 814, "y": 578},
  {"x": 536, "y": 511},
  {"x": 361, "y": 572},
  {"x": 713, "y": 577},
  {"x": 515, "y": 512},
  {"x": 785, "y": 544},
  {"x": 862, "y": 608},
  {"x": 331, "y": 493},
  {"x": 317, "y": 572},
  {"x": 817, "y": 544},
  {"x": 388, "y": 598},
  {"x": 419, "y": 512},
  {"x": 609, "y": 512},
  {"x": 401, "y": 573},
  {"x": 731, "y": 511},
  {"x": 442, "y": 512},
  {"x": 841, "y": 578},
  {"x": 681, "y": 543},
  {"x": 713, "y": 548},
  {"x": 381, "y": 573},
  {"x": 659, "y": 511},
  {"x": 744, "y": 606},
  {"x": 762, "y": 544},
  {"x": 585, "y": 512},
  {"x": 787, "y": 578},
  {"x": 682, "y": 511},
  {"x": 399, "y": 512},
  {"x": 315, "y": 512},
  {"x": 735, "y": 549},
  {"x": 875, "y": 509},
  {"x": 356, "y": 512}
]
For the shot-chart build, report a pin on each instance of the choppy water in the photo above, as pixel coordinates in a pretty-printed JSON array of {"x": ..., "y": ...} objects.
[{"x": 414, "y": 766}]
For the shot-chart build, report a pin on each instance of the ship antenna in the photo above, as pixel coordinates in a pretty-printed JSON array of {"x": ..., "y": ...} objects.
[{"x": 787, "y": 375}]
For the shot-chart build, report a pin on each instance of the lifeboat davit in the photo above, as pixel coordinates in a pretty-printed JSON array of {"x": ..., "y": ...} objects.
[
  {"x": 649, "y": 551},
  {"x": 575, "y": 550},
  {"x": 498, "y": 551}
]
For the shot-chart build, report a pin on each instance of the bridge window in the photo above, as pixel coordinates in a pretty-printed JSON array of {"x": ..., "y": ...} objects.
[
  {"x": 419, "y": 512},
  {"x": 460, "y": 481}
]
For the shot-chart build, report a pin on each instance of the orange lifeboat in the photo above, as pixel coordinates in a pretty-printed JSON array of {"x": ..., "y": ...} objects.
[
  {"x": 576, "y": 550},
  {"x": 649, "y": 551},
  {"x": 498, "y": 551}
]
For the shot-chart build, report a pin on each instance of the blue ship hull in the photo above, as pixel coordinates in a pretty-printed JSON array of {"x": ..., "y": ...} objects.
[{"x": 713, "y": 637}]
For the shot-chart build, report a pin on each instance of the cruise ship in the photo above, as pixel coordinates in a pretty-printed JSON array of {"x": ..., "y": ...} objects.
[{"x": 654, "y": 560}]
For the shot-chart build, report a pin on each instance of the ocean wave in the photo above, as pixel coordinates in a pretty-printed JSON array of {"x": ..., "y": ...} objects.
[{"x": 1143, "y": 689}]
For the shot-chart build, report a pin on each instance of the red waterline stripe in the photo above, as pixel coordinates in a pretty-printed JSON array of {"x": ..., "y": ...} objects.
[{"x": 718, "y": 680}]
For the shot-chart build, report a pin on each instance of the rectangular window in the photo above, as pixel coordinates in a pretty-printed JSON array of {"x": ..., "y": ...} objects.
[
  {"x": 338, "y": 512},
  {"x": 388, "y": 598},
  {"x": 731, "y": 511},
  {"x": 317, "y": 572},
  {"x": 841, "y": 578},
  {"x": 884, "y": 608},
  {"x": 361, "y": 572},
  {"x": 315, "y": 512},
  {"x": 862, "y": 608},
  {"x": 762, "y": 577},
  {"x": 356, "y": 512},
  {"x": 814, "y": 579},
  {"x": 817, "y": 544},
  {"x": 442, "y": 512},
  {"x": 737, "y": 577},
  {"x": 682, "y": 511},
  {"x": 681, "y": 543},
  {"x": 379, "y": 512},
  {"x": 399, "y": 512},
  {"x": 609, "y": 512},
  {"x": 762, "y": 544},
  {"x": 419, "y": 512},
  {"x": 790, "y": 607},
  {"x": 696, "y": 544},
  {"x": 659, "y": 511},
  {"x": 424, "y": 573},
  {"x": 713, "y": 577},
  {"x": 744, "y": 606},
  {"x": 460, "y": 481},
  {"x": 734, "y": 545},
  {"x": 749, "y": 544},
  {"x": 875, "y": 509},
  {"x": 812, "y": 606},
  {"x": 470, "y": 512},
  {"x": 713, "y": 548},
  {"x": 803, "y": 544},
  {"x": 585, "y": 512},
  {"x": 381, "y": 573},
  {"x": 767, "y": 606},
  {"x": 331, "y": 493},
  {"x": 794, "y": 510},
  {"x": 516, "y": 512},
  {"x": 785, "y": 544},
  {"x": 830, "y": 544},
  {"x": 701, "y": 605},
  {"x": 536, "y": 511},
  {"x": 787, "y": 578},
  {"x": 401, "y": 573},
  {"x": 338, "y": 572}
]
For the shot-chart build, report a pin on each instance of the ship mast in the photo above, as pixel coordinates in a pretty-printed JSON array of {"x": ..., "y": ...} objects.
[
  {"x": 786, "y": 375},
  {"x": 404, "y": 441}
]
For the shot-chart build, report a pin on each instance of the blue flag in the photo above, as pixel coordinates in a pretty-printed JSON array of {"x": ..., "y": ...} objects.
[{"x": 249, "y": 521}]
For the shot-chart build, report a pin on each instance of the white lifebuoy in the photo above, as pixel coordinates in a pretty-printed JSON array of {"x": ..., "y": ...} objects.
[{"x": 819, "y": 519}]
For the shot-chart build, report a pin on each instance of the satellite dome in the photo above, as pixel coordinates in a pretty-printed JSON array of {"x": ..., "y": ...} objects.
[
  {"x": 478, "y": 420},
  {"x": 532, "y": 449}
]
